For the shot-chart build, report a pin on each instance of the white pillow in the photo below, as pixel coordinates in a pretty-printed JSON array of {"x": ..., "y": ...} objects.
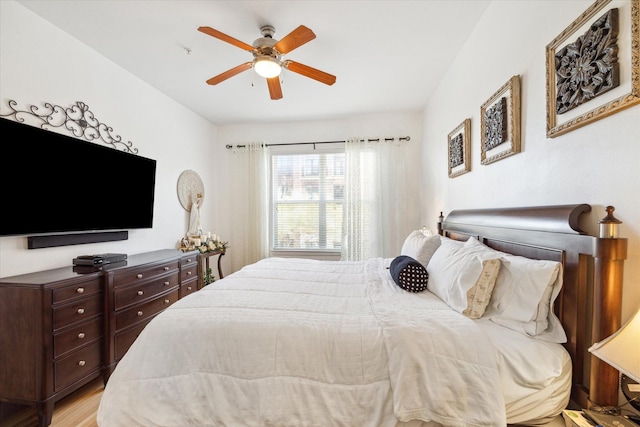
[
  {"x": 420, "y": 247},
  {"x": 463, "y": 278},
  {"x": 447, "y": 241},
  {"x": 524, "y": 294}
]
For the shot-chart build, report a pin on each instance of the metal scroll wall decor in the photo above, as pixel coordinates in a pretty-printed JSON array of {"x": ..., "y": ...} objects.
[
  {"x": 77, "y": 119},
  {"x": 589, "y": 66}
]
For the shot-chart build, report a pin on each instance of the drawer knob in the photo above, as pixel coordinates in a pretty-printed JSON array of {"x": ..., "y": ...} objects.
[
  {"x": 81, "y": 311},
  {"x": 188, "y": 259},
  {"x": 167, "y": 301},
  {"x": 166, "y": 283},
  {"x": 82, "y": 363},
  {"x": 80, "y": 290},
  {"x": 188, "y": 273},
  {"x": 139, "y": 276},
  {"x": 81, "y": 335},
  {"x": 140, "y": 292},
  {"x": 140, "y": 313},
  {"x": 166, "y": 268},
  {"x": 188, "y": 288}
]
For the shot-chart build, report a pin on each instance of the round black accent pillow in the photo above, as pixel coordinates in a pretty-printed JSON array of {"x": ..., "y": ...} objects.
[{"x": 409, "y": 274}]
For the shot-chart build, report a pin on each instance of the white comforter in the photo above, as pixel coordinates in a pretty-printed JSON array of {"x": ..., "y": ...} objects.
[{"x": 288, "y": 342}]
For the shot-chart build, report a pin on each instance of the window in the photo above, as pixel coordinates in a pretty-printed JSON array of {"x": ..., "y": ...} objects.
[
  {"x": 311, "y": 166},
  {"x": 307, "y": 196}
]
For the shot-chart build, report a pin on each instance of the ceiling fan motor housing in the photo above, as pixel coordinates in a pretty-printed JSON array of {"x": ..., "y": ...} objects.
[
  {"x": 267, "y": 31},
  {"x": 264, "y": 45}
]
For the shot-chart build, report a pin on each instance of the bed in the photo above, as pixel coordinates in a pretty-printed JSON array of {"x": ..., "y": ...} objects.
[{"x": 293, "y": 342}]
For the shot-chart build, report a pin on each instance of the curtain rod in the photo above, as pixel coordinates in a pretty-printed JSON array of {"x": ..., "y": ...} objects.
[{"x": 402, "y": 138}]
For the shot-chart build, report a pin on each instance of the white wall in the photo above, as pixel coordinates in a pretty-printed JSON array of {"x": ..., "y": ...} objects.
[
  {"x": 598, "y": 164},
  {"x": 41, "y": 64}
]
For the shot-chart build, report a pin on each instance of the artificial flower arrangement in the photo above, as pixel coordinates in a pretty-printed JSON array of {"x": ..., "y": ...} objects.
[{"x": 203, "y": 244}]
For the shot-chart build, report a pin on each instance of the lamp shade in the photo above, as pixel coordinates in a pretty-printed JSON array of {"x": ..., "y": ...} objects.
[
  {"x": 622, "y": 349},
  {"x": 267, "y": 67}
]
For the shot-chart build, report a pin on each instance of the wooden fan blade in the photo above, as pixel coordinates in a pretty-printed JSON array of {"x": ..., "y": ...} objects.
[
  {"x": 275, "y": 90},
  {"x": 229, "y": 73},
  {"x": 294, "y": 39},
  {"x": 225, "y": 38},
  {"x": 310, "y": 72}
]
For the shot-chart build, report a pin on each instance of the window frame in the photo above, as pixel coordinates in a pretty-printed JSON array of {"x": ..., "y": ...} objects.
[{"x": 298, "y": 149}]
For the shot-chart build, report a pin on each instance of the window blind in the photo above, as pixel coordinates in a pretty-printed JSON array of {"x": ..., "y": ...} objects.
[{"x": 307, "y": 198}]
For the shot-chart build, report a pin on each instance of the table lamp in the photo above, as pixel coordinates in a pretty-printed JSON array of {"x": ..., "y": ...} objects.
[{"x": 622, "y": 351}]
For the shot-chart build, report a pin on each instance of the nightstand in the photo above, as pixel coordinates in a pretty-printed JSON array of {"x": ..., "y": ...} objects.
[{"x": 587, "y": 418}]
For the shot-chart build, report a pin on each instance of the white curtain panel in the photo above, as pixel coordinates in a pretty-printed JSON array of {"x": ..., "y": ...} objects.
[
  {"x": 251, "y": 206},
  {"x": 379, "y": 206},
  {"x": 352, "y": 221}
]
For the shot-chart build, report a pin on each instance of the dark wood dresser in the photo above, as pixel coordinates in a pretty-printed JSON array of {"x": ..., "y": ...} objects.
[
  {"x": 51, "y": 338},
  {"x": 63, "y": 328},
  {"x": 135, "y": 295}
]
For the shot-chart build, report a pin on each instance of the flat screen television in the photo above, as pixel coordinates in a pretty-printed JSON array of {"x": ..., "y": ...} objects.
[{"x": 56, "y": 184}]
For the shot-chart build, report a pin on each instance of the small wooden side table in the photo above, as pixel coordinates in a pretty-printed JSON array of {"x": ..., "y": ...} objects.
[{"x": 203, "y": 264}]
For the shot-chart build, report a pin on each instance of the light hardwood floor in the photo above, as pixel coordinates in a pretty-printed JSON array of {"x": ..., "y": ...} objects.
[{"x": 76, "y": 410}]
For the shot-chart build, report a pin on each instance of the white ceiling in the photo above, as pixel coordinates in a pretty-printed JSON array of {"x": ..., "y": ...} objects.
[{"x": 387, "y": 55}]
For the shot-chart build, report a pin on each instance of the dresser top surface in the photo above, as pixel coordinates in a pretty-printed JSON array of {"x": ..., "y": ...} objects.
[{"x": 72, "y": 273}]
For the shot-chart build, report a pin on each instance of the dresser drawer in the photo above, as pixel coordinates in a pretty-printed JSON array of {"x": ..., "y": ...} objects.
[
  {"x": 145, "y": 310},
  {"x": 78, "y": 290},
  {"x": 77, "y": 311},
  {"x": 188, "y": 288},
  {"x": 77, "y": 336},
  {"x": 124, "y": 339},
  {"x": 137, "y": 293},
  {"x": 188, "y": 259},
  {"x": 73, "y": 367},
  {"x": 143, "y": 273},
  {"x": 188, "y": 272}
]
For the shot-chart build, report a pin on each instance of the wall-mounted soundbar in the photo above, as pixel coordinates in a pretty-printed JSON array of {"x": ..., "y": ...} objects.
[{"x": 51, "y": 240}]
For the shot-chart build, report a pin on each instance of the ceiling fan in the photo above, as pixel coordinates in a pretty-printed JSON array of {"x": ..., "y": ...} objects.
[{"x": 267, "y": 57}]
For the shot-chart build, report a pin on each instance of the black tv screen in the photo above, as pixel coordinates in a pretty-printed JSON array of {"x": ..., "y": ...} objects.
[{"x": 54, "y": 183}]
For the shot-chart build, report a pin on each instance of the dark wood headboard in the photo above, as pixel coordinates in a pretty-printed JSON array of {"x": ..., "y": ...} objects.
[{"x": 589, "y": 305}]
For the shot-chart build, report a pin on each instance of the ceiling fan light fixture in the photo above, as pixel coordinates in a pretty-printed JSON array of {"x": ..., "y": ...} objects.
[
  {"x": 267, "y": 57},
  {"x": 267, "y": 67}
]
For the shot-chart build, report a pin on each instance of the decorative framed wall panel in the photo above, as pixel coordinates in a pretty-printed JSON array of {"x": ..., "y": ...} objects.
[
  {"x": 500, "y": 123},
  {"x": 458, "y": 148},
  {"x": 593, "y": 66}
]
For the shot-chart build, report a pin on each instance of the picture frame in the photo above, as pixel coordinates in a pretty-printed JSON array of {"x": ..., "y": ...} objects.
[
  {"x": 622, "y": 94},
  {"x": 500, "y": 123},
  {"x": 458, "y": 149}
]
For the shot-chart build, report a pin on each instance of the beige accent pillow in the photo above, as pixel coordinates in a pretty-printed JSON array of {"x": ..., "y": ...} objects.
[{"x": 479, "y": 295}]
